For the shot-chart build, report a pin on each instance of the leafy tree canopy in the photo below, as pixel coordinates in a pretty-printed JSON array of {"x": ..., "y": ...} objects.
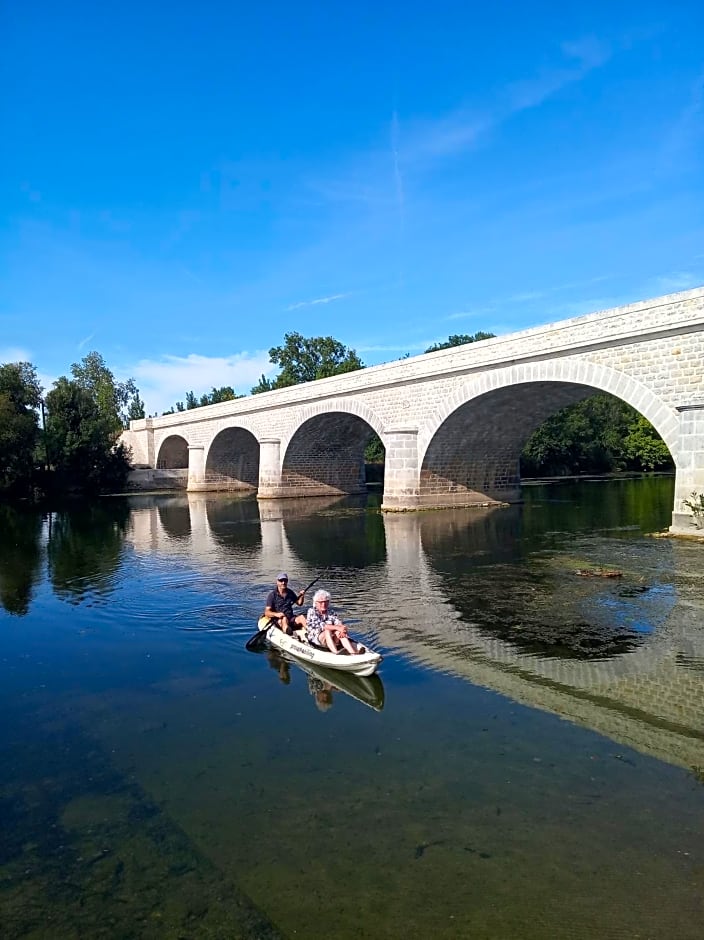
[
  {"x": 114, "y": 400},
  {"x": 224, "y": 393},
  {"x": 20, "y": 396},
  {"x": 303, "y": 359},
  {"x": 82, "y": 427},
  {"x": 597, "y": 435},
  {"x": 459, "y": 339}
]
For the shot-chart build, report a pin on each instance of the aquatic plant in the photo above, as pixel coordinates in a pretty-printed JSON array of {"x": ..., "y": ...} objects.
[{"x": 696, "y": 505}]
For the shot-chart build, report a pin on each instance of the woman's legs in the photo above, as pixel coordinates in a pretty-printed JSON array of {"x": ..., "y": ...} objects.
[{"x": 349, "y": 645}]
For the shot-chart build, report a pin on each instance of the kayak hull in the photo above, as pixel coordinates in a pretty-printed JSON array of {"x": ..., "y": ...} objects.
[{"x": 364, "y": 664}]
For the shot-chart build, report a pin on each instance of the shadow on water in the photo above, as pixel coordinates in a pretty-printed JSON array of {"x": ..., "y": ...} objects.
[
  {"x": 91, "y": 855},
  {"x": 532, "y": 575}
]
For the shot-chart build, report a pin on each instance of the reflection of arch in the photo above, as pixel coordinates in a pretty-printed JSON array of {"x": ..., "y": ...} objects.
[
  {"x": 242, "y": 539},
  {"x": 349, "y": 535},
  {"x": 173, "y": 454},
  {"x": 233, "y": 460},
  {"x": 469, "y": 449},
  {"x": 175, "y": 518},
  {"x": 325, "y": 454}
]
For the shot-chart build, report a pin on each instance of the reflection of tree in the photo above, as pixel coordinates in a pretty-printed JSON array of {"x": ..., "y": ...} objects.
[
  {"x": 601, "y": 503},
  {"x": 85, "y": 548},
  {"x": 20, "y": 557}
]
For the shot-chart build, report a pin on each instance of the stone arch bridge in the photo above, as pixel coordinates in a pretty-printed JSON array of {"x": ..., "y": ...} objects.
[{"x": 452, "y": 422}]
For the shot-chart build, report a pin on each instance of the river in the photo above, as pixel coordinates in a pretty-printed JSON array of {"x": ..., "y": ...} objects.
[{"x": 529, "y": 762}]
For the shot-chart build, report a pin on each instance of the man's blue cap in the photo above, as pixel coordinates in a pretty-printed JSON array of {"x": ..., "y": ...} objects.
[{"x": 282, "y": 576}]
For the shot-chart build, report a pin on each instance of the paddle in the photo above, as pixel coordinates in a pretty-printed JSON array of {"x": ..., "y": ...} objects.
[{"x": 254, "y": 640}]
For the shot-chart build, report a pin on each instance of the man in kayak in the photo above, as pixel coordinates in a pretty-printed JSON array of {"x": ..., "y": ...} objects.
[
  {"x": 325, "y": 628},
  {"x": 279, "y": 606}
]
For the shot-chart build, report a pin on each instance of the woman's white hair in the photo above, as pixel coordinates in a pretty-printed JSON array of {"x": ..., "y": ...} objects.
[{"x": 321, "y": 596}]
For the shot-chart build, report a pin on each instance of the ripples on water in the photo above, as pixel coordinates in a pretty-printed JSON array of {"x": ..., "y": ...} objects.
[{"x": 529, "y": 763}]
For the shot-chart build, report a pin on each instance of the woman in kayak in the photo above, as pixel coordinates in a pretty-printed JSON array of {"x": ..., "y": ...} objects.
[{"x": 325, "y": 628}]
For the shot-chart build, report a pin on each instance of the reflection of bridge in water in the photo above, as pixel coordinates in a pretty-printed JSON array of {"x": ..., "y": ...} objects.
[{"x": 651, "y": 699}]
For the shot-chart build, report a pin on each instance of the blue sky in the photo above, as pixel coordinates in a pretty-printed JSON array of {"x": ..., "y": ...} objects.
[{"x": 183, "y": 183}]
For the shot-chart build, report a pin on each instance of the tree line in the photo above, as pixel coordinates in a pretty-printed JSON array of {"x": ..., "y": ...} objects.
[{"x": 68, "y": 440}]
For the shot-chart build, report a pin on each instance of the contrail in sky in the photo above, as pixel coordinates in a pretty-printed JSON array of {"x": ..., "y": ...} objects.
[{"x": 398, "y": 179}]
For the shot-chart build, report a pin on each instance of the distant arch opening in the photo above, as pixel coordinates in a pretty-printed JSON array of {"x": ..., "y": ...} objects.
[
  {"x": 479, "y": 452},
  {"x": 474, "y": 456},
  {"x": 173, "y": 454},
  {"x": 326, "y": 456},
  {"x": 233, "y": 461}
]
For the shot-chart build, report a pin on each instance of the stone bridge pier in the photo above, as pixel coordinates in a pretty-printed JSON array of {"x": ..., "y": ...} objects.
[{"x": 689, "y": 463}]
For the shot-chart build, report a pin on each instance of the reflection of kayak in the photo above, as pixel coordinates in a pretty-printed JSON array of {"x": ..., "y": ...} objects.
[
  {"x": 363, "y": 664},
  {"x": 369, "y": 690}
]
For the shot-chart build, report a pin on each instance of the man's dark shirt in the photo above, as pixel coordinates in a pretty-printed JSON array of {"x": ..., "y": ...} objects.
[{"x": 282, "y": 604}]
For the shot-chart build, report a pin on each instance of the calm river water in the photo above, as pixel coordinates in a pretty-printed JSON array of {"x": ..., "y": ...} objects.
[{"x": 528, "y": 764}]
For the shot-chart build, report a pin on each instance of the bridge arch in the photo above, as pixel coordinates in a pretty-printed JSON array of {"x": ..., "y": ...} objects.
[
  {"x": 324, "y": 454},
  {"x": 173, "y": 453},
  {"x": 469, "y": 450},
  {"x": 232, "y": 460}
]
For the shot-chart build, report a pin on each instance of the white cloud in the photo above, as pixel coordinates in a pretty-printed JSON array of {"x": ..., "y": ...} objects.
[
  {"x": 18, "y": 354},
  {"x": 471, "y": 314},
  {"x": 318, "y": 300},
  {"x": 14, "y": 354},
  {"x": 686, "y": 131},
  {"x": 165, "y": 381},
  {"x": 678, "y": 280}
]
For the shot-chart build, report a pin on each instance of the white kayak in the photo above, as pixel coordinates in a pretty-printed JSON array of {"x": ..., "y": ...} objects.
[{"x": 361, "y": 664}]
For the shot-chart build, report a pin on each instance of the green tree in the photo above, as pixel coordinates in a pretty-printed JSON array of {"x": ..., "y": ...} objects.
[
  {"x": 643, "y": 446},
  {"x": 135, "y": 409},
  {"x": 20, "y": 397},
  {"x": 598, "y": 435},
  {"x": 214, "y": 397},
  {"x": 374, "y": 452},
  {"x": 459, "y": 339},
  {"x": 304, "y": 359},
  {"x": 113, "y": 400},
  {"x": 82, "y": 431}
]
